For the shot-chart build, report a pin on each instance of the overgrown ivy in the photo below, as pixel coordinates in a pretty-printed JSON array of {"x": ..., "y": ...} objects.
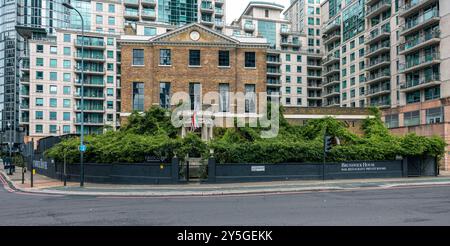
[{"x": 151, "y": 134}]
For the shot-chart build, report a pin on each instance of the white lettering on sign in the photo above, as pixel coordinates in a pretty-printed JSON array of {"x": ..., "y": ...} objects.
[
  {"x": 258, "y": 168},
  {"x": 362, "y": 166}
]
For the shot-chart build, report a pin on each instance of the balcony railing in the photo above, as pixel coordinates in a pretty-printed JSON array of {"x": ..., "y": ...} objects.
[
  {"x": 424, "y": 80},
  {"x": 86, "y": 42},
  {"x": 410, "y": 63},
  {"x": 409, "y": 25},
  {"x": 421, "y": 39},
  {"x": 383, "y": 88},
  {"x": 378, "y": 6},
  {"x": 375, "y": 76}
]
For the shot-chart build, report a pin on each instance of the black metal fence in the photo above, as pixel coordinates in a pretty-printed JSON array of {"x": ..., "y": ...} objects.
[
  {"x": 135, "y": 173},
  {"x": 224, "y": 173}
]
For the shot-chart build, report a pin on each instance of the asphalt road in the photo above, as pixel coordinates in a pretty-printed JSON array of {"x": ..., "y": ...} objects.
[{"x": 407, "y": 206}]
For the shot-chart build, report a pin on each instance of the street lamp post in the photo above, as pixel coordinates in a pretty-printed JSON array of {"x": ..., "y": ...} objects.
[
  {"x": 10, "y": 142},
  {"x": 69, "y": 6}
]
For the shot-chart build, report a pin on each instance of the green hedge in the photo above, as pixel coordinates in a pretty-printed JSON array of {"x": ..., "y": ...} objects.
[{"x": 152, "y": 134}]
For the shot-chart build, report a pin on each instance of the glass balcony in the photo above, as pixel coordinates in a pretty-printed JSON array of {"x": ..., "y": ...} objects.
[
  {"x": 378, "y": 8},
  {"x": 428, "y": 18},
  {"x": 421, "y": 83},
  {"x": 414, "y": 6},
  {"x": 426, "y": 39},
  {"x": 419, "y": 62}
]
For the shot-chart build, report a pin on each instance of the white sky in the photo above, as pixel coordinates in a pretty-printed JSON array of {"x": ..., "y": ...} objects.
[{"x": 236, "y": 7}]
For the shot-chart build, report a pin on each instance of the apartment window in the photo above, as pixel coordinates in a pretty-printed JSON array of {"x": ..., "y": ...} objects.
[
  {"x": 110, "y": 66},
  {"x": 111, "y": 20},
  {"x": 149, "y": 31},
  {"x": 266, "y": 13},
  {"x": 250, "y": 98},
  {"x": 224, "y": 58},
  {"x": 432, "y": 93},
  {"x": 288, "y": 57},
  {"x": 165, "y": 57},
  {"x": 288, "y": 79},
  {"x": 288, "y": 68},
  {"x": 66, "y": 103},
  {"x": 99, "y": 19},
  {"x": 53, "y": 116},
  {"x": 310, "y": 21},
  {"x": 391, "y": 121},
  {"x": 413, "y": 97},
  {"x": 66, "y": 51},
  {"x": 138, "y": 57},
  {"x": 66, "y": 129},
  {"x": 39, "y": 88},
  {"x": 66, "y": 64},
  {"x": 66, "y": 90},
  {"x": 110, "y": 79},
  {"x": 250, "y": 59},
  {"x": 288, "y": 101},
  {"x": 352, "y": 44},
  {"x": 110, "y": 105},
  {"x": 299, "y": 80},
  {"x": 39, "y": 75},
  {"x": 53, "y": 63},
  {"x": 195, "y": 96},
  {"x": 40, "y": 48},
  {"x": 138, "y": 96},
  {"x": 224, "y": 97},
  {"x": 53, "y": 129},
  {"x": 110, "y": 92},
  {"x": 109, "y": 117},
  {"x": 67, "y": 38},
  {"x": 110, "y": 41},
  {"x": 299, "y": 58},
  {"x": 39, "y": 115},
  {"x": 53, "y": 89},
  {"x": 299, "y": 69},
  {"x": 53, "y": 50},
  {"x": 99, "y": 7},
  {"x": 39, "y": 62},
  {"x": 164, "y": 95},
  {"x": 39, "y": 102},
  {"x": 299, "y": 90},
  {"x": 352, "y": 57},
  {"x": 53, "y": 102},
  {"x": 110, "y": 54},
  {"x": 66, "y": 77},
  {"x": 299, "y": 101},
  {"x": 39, "y": 129},
  {"x": 111, "y": 8},
  {"x": 66, "y": 116},
  {"x": 344, "y": 60},
  {"x": 288, "y": 90},
  {"x": 194, "y": 57},
  {"x": 412, "y": 118},
  {"x": 53, "y": 76},
  {"x": 434, "y": 115}
]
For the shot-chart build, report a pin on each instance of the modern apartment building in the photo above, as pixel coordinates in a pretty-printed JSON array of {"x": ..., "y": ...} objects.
[
  {"x": 422, "y": 104},
  {"x": 50, "y": 79},
  {"x": 293, "y": 58},
  {"x": 210, "y": 13}
]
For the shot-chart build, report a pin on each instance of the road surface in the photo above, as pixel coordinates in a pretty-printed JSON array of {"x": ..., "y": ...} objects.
[{"x": 406, "y": 206}]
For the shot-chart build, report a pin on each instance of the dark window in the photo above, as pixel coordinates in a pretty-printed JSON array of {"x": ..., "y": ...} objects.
[
  {"x": 194, "y": 94},
  {"x": 164, "y": 94},
  {"x": 165, "y": 57},
  {"x": 250, "y": 59},
  {"x": 194, "y": 57},
  {"x": 267, "y": 13},
  {"x": 138, "y": 96},
  {"x": 224, "y": 58},
  {"x": 138, "y": 57}
]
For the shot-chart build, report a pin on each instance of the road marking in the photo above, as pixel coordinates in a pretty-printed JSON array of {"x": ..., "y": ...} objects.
[{"x": 5, "y": 185}]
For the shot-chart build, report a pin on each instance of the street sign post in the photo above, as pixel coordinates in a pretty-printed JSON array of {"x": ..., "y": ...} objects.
[{"x": 83, "y": 148}]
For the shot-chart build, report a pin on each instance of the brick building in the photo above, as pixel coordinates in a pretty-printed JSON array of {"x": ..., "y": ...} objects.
[{"x": 196, "y": 60}]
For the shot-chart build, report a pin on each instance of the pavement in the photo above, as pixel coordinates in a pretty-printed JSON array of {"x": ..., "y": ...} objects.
[{"x": 45, "y": 185}]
